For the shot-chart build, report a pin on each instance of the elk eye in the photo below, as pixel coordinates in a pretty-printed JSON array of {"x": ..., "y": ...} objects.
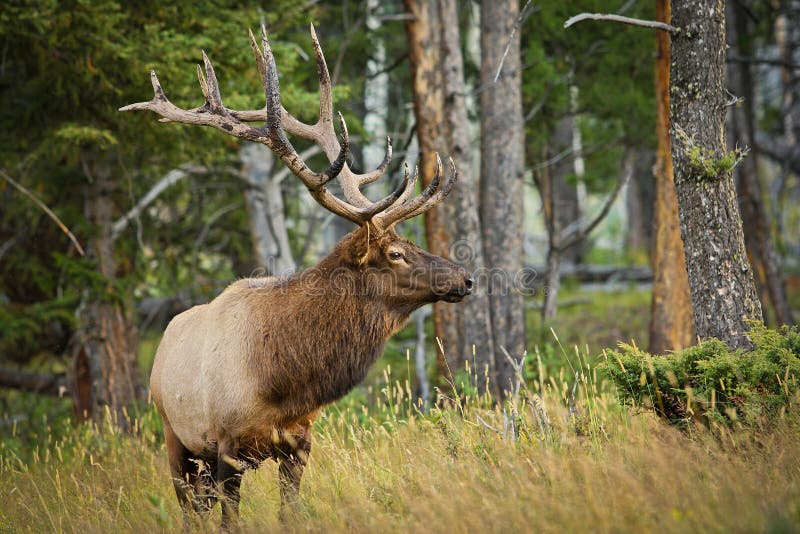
[{"x": 395, "y": 256}]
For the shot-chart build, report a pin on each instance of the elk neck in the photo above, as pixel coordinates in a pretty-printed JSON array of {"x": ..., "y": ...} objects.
[{"x": 321, "y": 332}]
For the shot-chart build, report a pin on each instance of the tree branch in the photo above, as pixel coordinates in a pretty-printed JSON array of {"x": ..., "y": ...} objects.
[
  {"x": 27, "y": 192},
  {"x": 652, "y": 24},
  {"x": 520, "y": 19},
  {"x": 579, "y": 235},
  {"x": 389, "y": 68},
  {"x": 170, "y": 179}
]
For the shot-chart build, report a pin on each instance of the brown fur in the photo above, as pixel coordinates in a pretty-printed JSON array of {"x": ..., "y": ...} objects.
[{"x": 244, "y": 376}]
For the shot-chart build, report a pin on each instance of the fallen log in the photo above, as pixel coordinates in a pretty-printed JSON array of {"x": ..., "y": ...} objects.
[{"x": 42, "y": 383}]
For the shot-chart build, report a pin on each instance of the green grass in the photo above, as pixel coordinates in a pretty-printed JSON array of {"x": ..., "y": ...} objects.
[
  {"x": 580, "y": 461},
  {"x": 596, "y": 318},
  {"x": 566, "y": 455}
]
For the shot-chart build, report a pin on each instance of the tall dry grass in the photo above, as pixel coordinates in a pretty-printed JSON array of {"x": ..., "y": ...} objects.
[{"x": 559, "y": 457}]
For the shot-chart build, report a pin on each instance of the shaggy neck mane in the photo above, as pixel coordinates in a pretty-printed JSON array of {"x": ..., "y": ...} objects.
[{"x": 350, "y": 322}]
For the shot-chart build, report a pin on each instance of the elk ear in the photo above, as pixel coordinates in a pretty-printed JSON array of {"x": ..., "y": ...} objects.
[{"x": 358, "y": 251}]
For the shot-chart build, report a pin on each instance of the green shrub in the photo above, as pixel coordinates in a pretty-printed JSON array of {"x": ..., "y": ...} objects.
[{"x": 709, "y": 382}]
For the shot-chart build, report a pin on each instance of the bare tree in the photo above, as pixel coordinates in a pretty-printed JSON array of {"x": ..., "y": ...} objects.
[
  {"x": 443, "y": 124},
  {"x": 571, "y": 236},
  {"x": 266, "y": 213},
  {"x": 103, "y": 370}
]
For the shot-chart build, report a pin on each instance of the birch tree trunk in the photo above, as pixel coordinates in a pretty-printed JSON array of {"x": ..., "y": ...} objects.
[
  {"x": 720, "y": 278},
  {"x": 502, "y": 163},
  {"x": 672, "y": 323}
]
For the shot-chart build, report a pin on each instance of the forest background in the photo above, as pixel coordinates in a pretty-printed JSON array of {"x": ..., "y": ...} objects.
[{"x": 565, "y": 130}]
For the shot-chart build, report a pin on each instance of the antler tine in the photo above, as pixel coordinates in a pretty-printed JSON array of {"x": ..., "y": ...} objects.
[
  {"x": 214, "y": 114},
  {"x": 325, "y": 92},
  {"x": 441, "y": 194},
  {"x": 261, "y": 63},
  {"x": 430, "y": 197},
  {"x": 406, "y": 186},
  {"x": 410, "y": 187},
  {"x": 400, "y": 212},
  {"x": 280, "y": 144},
  {"x": 322, "y": 131},
  {"x": 213, "y": 98}
]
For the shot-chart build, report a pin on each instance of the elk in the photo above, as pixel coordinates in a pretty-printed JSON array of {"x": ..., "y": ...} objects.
[{"x": 241, "y": 379}]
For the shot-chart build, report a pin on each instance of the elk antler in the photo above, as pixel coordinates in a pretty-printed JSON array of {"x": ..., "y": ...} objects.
[{"x": 359, "y": 209}]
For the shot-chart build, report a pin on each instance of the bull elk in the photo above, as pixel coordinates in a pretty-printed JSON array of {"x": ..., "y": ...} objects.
[{"x": 241, "y": 379}]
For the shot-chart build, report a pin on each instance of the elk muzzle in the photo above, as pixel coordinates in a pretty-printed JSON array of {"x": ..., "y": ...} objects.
[{"x": 452, "y": 283}]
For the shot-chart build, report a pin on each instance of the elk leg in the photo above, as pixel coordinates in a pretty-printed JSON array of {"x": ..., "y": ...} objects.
[
  {"x": 205, "y": 491},
  {"x": 182, "y": 470},
  {"x": 179, "y": 466},
  {"x": 229, "y": 479},
  {"x": 293, "y": 454}
]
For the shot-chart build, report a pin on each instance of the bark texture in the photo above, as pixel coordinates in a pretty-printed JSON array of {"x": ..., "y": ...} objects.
[
  {"x": 757, "y": 234},
  {"x": 502, "y": 160},
  {"x": 720, "y": 278},
  {"x": 104, "y": 370},
  {"x": 462, "y": 205},
  {"x": 672, "y": 323},
  {"x": 426, "y": 82},
  {"x": 640, "y": 199}
]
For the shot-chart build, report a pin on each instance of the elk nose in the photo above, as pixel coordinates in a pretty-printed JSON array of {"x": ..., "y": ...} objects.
[{"x": 469, "y": 283}]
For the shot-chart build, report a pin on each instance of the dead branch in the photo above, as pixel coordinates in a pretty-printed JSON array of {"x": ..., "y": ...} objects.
[
  {"x": 652, "y": 24},
  {"x": 169, "y": 179},
  {"x": 27, "y": 192},
  {"x": 520, "y": 19},
  {"x": 577, "y": 236},
  {"x": 487, "y": 425}
]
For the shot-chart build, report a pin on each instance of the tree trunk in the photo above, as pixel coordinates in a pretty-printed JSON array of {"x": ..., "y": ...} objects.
[
  {"x": 639, "y": 202},
  {"x": 720, "y": 278},
  {"x": 502, "y": 162},
  {"x": 757, "y": 232},
  {"x": 104, "y": 370},
  {"x": 671, "y": 323},
  {"x": 566, "y": 201},
  {"x": 264, "y": 200},
  {"x": 550, "y": 306},
  {"x": 474, "y": 323},
  {"x": 425, "y": 62}
]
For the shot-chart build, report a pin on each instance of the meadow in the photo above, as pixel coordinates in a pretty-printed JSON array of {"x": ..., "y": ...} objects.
[{"x": 564, "y": 454}]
